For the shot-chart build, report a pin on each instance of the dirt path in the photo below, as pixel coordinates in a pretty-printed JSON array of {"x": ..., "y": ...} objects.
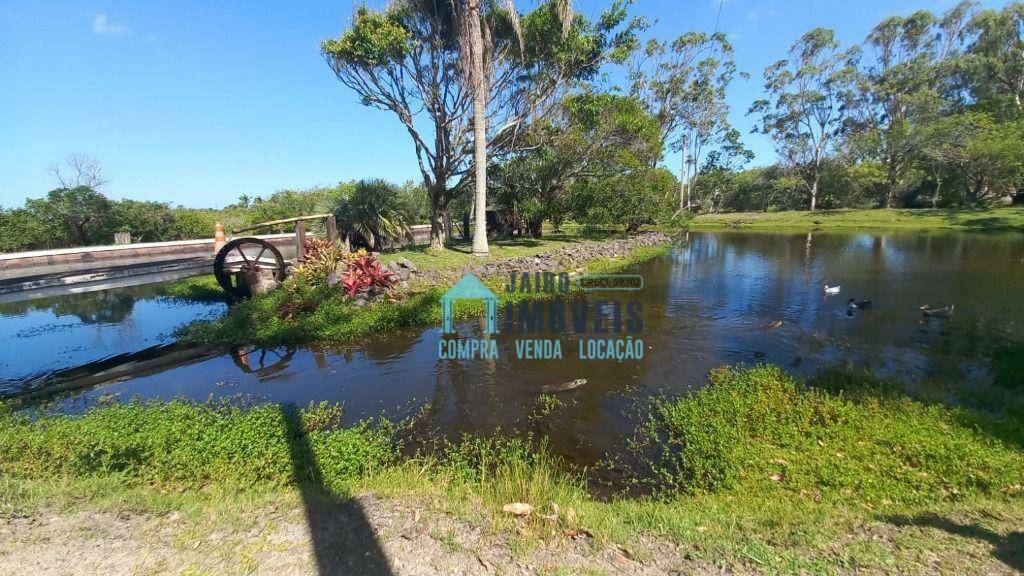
[
  {"x": 373, "y": 537},
  {"x": 365, "y": 536}
]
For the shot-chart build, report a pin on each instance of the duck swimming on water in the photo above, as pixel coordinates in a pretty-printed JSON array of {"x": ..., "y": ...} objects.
[
  {"x": 943, "y": 312},
  {"x": 832, "y": 289},
  {"x": 853, "y": 305}
]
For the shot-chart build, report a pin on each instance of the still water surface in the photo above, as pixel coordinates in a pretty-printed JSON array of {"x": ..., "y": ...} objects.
[{"x": 712, "y": 302}]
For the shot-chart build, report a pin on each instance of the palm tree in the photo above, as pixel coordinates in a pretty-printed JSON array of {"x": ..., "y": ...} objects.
[
  {"x": 471, "y": 39},
  {"x": 373, "y": 215}
]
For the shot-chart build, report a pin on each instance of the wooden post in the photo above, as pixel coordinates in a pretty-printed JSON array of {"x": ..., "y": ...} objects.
[
  {"x": 300, "y": 241},
  {"x": 332, "y": 230}
]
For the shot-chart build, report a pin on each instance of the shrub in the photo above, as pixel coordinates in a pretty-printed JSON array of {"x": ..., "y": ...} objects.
[
  {"x": 374, "y": 215},
  {"x": 1008, "y": 364},
  {"x": 322, "y": 257},
  {"x": 761, "y": 429},
  {"x": 365, "y": 274}
]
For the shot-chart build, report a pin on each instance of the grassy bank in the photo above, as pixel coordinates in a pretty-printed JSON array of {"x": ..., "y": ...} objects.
[
  {"x": 756, "y": 472},
  {"x": 996, "y": 219},
  {"x": 317, "y": 313},
  {"x": 195, "y": 289}
]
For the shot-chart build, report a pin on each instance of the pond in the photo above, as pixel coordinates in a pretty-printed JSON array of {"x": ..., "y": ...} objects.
[
  {"x": 719, "y": 298},
  {"x": 42, "y": 338}
]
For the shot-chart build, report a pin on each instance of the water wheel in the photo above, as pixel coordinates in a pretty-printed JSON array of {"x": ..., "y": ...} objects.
[
  {"x": 246, "y": 258},
  {"x": 263, "y": 362}
]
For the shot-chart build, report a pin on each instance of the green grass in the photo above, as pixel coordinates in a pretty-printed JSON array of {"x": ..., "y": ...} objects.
[
  {"x": 854, "y": 437},
  {"x": 324, "y": 315},
  {"x": 757, "y": 471},
  {"x": 994, "y": 219},
  {"x": 195, "y": 289}
]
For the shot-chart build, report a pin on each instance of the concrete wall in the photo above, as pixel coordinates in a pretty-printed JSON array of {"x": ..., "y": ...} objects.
[
  {"x": 38, "y": 262},
  {"x": 73, "y": 260}
]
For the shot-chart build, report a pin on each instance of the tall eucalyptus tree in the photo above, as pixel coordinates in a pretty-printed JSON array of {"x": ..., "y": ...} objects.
[
  {"x": 803, "y": 115},
  {"x": 683, "y": 84},
  {"x": 901, "y": 87}
]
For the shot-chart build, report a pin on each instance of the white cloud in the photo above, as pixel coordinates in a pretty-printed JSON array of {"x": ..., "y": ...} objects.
[{"x": 101, "y": 25}]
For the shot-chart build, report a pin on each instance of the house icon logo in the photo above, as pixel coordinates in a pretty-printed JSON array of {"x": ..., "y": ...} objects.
[{"x": 469, "y": 287}]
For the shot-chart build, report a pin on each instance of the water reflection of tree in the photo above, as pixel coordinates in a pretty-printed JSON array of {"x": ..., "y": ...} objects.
[
  {"x": 99, "y": 307},
  {"x": 742, "y": 275},
  {"x": 390, "y": 346}
]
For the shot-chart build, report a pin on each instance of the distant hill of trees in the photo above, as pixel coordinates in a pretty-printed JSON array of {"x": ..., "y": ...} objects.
[{"x": 81, "y": 216}]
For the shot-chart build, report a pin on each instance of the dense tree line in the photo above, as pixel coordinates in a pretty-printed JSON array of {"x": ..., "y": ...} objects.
[
  {"x": 926, "y": 112},
  {"x": 81, "y": 216}
]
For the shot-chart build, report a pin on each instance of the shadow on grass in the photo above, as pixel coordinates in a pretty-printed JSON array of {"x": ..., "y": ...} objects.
[
  {"x": 996, "y": 410},
  {"x": 343, "y": 539},
  {"x": 967, "y": 218},
  {"x": 1008, "y": 549}
]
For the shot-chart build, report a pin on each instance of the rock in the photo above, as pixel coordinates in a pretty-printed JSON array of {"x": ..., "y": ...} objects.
[
  {"x": 334, "y": 280},
  {"x": 403, "y": 274},
  {"x": 359, "y": 302},
  {"x": 517, "y": 509},
  {"x": 265, "y": 286}
]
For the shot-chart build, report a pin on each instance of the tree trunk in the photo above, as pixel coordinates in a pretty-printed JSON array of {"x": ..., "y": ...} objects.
[
  {"x": 438, "y": 211},
  {"x": 891, "y": 183},
  {"x": 535, "y": 227},
  {"x": 935, "y": 197},
  {"x": 479, "y": 81},
  {"x": 436, "y": 231},
  {"x": 814, "y": 194},
  {"x": 684, "y": 200}
]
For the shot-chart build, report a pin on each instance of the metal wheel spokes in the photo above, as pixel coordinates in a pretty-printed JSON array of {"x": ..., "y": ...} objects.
[
  {"x": 236, "y": 259},
  {"x": 263, "y": 362}
]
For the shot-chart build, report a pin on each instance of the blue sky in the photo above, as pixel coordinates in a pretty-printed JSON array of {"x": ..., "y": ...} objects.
[{"x": 197, "y": 102}]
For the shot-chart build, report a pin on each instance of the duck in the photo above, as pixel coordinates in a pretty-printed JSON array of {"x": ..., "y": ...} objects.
[
  {"x": 832, "y": 289},
  {"x": 572, "y": 385},
  {"x": 853, "y": 304},
  {"x": 943, "y": 312}
]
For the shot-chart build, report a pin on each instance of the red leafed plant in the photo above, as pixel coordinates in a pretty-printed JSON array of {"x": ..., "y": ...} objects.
[{"x": 364, "y": 272}]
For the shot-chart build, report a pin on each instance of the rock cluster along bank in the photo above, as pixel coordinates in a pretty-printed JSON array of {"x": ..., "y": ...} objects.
[{"x": 570, "y": 258}]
